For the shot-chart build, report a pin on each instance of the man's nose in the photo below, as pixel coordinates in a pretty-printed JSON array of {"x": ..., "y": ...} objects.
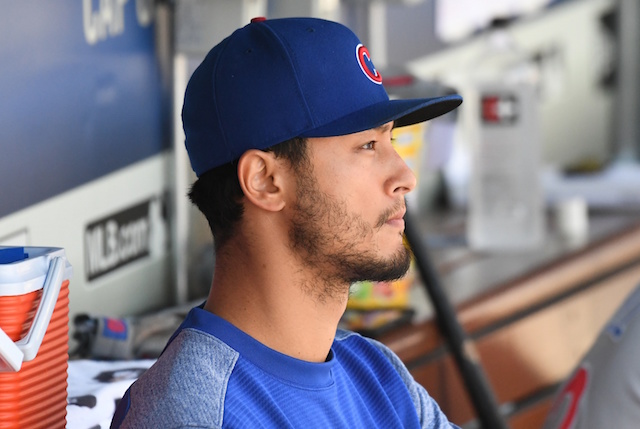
[{"x": 402, "y": 179}]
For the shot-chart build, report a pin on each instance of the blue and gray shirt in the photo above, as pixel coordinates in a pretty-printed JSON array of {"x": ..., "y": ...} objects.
[{"x": 212, "y": 375}]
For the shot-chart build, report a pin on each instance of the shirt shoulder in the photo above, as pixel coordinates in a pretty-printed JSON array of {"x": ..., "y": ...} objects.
[
  {"x": 186, "y": 386},
  {"x": 584, "y": 400}
]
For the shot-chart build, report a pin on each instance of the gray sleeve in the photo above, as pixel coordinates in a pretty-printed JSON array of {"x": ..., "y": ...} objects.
[{"x": 186, "y": 387}]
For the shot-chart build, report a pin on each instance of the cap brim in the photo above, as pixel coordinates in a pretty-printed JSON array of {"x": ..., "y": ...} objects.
[{"x": 403, "y": 112}]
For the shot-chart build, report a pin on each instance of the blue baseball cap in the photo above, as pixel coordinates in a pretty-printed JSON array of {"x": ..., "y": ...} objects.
[{"x": 274, "y": 80}]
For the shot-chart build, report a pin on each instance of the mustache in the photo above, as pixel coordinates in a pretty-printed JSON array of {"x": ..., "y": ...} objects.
[{"x": 386, "y": 215}]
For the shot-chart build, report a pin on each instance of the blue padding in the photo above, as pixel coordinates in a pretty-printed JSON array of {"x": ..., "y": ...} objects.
[{"x": 9, "y": 255}]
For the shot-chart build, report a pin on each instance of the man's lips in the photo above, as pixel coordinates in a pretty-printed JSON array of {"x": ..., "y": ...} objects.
[
  {"x": 392, "y": 216},
  {"x": 397, "y": 219}
]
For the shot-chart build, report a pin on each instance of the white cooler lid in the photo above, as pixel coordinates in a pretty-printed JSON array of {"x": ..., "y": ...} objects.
[{"x": 27, "y": 275}]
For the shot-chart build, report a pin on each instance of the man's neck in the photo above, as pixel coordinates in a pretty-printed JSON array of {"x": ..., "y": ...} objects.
[{"x": 274, "y": 301}]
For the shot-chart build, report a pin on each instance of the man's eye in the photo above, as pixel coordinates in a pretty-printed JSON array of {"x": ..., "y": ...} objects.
[{"x": 369, "y": 146}]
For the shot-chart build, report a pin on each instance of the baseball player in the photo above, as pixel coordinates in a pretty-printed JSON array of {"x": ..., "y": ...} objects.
[
  {"x": 604, "y": 390},
  {"x": 289, "y": 130}
]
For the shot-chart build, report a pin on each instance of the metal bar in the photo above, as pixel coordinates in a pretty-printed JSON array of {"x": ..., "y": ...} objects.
[{"x": 462, "y": 348}]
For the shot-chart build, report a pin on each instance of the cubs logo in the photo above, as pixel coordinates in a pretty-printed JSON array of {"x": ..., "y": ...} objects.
[{"x": 366, "y": 65}]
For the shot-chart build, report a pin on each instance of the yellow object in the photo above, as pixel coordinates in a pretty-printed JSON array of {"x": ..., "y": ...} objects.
[
  {"x": 408, "y": 143},
  {"x": 378, "y": 295}
]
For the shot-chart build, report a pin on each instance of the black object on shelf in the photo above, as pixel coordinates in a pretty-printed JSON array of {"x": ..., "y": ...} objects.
[{"x": 463, "y": 350}]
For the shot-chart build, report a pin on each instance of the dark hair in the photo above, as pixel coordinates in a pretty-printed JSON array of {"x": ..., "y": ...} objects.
[{"x": 217, "y": 192}]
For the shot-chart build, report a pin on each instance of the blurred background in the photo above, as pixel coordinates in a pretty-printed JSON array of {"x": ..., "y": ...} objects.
[{"x": 528, "y": 194}]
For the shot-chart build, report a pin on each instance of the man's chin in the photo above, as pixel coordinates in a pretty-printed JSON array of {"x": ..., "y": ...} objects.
[{"x": 387, "y": 269}]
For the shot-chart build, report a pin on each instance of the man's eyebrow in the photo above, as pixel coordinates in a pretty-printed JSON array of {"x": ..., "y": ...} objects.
[{"x": 385, "y": 127}]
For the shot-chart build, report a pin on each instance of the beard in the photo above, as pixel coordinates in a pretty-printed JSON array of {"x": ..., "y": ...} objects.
[{"x": 327, "y": 238}]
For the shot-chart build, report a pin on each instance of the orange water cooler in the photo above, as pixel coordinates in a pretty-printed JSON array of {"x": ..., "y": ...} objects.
[{"x": 34, "y": 315}]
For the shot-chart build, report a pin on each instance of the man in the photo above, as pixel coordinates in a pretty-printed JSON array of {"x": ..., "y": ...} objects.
[
  {"x": 604, "y": 389},
  {"x": 288, "y": 128}
]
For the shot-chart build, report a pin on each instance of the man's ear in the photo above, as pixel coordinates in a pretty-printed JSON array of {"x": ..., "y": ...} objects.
[{"x": 261, "y": 178}]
